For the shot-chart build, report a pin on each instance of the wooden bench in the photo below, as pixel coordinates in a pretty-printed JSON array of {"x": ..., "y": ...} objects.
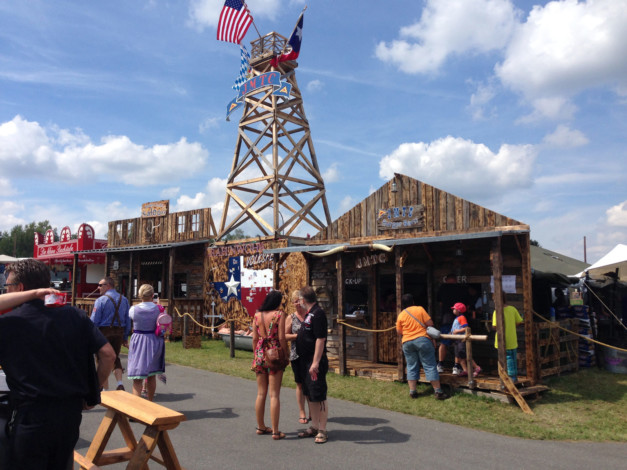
[{"x": 158, "y": 420}]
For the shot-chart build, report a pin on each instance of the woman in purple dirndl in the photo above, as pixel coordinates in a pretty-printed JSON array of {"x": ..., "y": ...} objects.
[{"x": 146, "y": 350}]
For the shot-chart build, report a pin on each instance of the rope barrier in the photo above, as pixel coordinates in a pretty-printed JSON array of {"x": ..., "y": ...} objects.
[
  {"x": 207, "y": 327},
  {"x": 342, "y": 322},
  {"x": 605, "y": 306},
  {"x": 577, "y": 334}
]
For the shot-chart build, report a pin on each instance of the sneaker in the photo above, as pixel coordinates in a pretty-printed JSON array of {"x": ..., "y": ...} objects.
[
  {"x": 456, "y": 370},
  {"x": 120, "y": 387},
  {"x": 463, "y": 373},
  {"x": 440, "y": 368},
  {"x": 477, "y": 371},
  {"x": 413, "y": 394},
  {"x": 441, "y": 396}
]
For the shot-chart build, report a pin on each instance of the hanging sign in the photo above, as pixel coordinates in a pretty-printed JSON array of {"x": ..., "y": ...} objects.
[
  {"x": 272, "y": 79},
  {"x": 155, "y": 209},
  {"x": 395, "y": 218}
]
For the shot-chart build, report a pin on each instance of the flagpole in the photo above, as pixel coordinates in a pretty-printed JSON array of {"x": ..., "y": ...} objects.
[
  {"x": 295, "y": 26},
  {"x": 258, "y": 33}
]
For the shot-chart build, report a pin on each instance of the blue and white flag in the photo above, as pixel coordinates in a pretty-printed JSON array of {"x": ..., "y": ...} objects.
[{"x": 244, "y": 68}]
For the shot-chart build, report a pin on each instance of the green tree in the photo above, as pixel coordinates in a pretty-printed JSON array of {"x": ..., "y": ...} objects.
[
  {"x": 237, "y": 234},
  {"x": 20, "y": 240},
  {"x": 534, "y": 243}
]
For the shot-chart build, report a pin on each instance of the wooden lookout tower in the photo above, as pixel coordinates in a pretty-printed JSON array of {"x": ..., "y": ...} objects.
[{"x": 275, "y": 181}]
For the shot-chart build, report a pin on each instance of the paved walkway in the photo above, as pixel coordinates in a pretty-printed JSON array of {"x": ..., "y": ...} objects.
[{"x": 220, "y": 434}]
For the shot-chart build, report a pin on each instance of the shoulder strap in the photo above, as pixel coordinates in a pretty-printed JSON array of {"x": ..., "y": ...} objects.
[
  {"x": 423, "y": 325},
  {"x": 116, "y": 314}
]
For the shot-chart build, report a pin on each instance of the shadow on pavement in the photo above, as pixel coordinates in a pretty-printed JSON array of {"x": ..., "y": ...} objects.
[
  {"x": 216, "y": 413},
  {"x": 170, "y": 397},
  {"x": 357, "y": 421},
  {"x": 381, "y": 435}
]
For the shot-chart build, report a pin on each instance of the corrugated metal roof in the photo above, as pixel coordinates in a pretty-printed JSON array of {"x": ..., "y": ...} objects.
[{"x": 118, "y": 249}]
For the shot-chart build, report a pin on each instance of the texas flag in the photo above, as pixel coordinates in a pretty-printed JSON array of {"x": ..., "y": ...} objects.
[
  {"x": 294, "y": 42},
  {"x": 249, "y": 286}
]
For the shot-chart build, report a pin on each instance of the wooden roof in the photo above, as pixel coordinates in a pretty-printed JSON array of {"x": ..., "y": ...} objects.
[{"x": 442, "y": 213}]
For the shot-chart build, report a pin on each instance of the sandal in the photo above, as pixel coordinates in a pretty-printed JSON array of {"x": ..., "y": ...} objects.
[
  {"x": 303, "y": 420},
  {"x": 322, "y": 437},
  {"x": 311, "y": 432},
  {"x": 278, "y": 435},
  {"x": 261, "y": 432}
]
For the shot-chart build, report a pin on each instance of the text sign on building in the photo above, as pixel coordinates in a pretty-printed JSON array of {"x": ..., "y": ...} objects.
[
  {"x": 394, "y": 218},
  {"x": 155, "y": 209}
]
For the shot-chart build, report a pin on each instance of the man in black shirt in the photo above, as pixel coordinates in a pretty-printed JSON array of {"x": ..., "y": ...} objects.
[
  {"x": 48, "y": 358},
  {"x": 312, "y": 351}
]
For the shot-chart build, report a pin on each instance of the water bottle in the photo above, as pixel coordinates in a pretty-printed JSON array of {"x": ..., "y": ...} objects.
[{"x": 552, "y": 314}]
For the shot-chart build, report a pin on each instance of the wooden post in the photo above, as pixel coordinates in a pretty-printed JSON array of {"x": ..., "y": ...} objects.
[
  {"x": 497, "y": 272},
  {"x": 471, "y": 379},
  {"x": 340, "y": 313},
  {"x": 373, "y": 308},
  {"x": 531, "y": 348},
  {"x": 184, "y": 332},
  {"x": 74, "y": 267},
  {"x": 232, "y": 336},
  {"x": 129, "y": 288},
  {"x": 171, "y": 260},
  {"x": 400, "y": 372}
]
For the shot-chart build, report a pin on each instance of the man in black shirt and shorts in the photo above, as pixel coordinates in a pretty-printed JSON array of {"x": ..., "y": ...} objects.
[{"x": 312, "y": 351}]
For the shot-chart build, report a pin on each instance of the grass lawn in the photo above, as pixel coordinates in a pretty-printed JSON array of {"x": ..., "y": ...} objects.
[{"x": 589, "y": 405}]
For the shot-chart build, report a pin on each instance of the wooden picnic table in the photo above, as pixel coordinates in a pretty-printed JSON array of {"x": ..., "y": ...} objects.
[{"x": 122, "y": 406}]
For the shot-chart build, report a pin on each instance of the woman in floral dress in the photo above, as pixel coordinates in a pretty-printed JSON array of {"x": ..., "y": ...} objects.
[{"x": 268, "y": 331}]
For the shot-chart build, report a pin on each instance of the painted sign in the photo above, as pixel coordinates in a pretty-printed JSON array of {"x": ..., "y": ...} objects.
[
  {"x": 249, "y": 286},
  {"x": 401, "y": 217},
  {"x": 236, "y": 250},
  {"x": 370, "y": 260},
  {"x": 272, "y": 79},
  {"x": 155, "y": 209}
]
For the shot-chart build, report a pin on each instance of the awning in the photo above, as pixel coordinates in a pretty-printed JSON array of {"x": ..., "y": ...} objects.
[
  {"x": 395, "y": 242},
  {"x": 159, "y": 246}
]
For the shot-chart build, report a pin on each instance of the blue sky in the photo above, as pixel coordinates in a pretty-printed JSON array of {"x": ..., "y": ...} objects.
[{"x": 515, "y": 105}]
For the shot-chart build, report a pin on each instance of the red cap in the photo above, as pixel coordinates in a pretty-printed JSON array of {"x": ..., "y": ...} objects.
[{"x": 460, "y": 307}]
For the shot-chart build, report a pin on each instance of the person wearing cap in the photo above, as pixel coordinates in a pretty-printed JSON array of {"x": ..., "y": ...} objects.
[
  {"x": 460, "y": 326},
  {"x": 448, "y": 293}
]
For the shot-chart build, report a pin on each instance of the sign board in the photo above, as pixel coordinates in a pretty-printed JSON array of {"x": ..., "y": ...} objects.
[
  {"x": 395, "y": 218},
  {"x": 155, "y": 209}
]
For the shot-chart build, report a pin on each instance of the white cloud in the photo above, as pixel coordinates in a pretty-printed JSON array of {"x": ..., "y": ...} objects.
[
  {"x": 314, "y": 85},
  {"x": 205, "y": 13},
  {"x": 564, "y": 48},
  {"x": 480, "y": 99},
  {"x": 9, "y": 219},
  {"x": 332, "y": 175},
  {"x": 449, "y": 27},
  {"x": 564, "y": 137},
  {"x": 463, "y": 167},
  {"x": 209, "y": 123},
  {"x": 346, "y": 204},
  {"x": 6, "y": 188},
  {"x": 170, "y": 193},
  {"x": 213, "y": 197},
  {"x": 617, "y": 215},
  {"x": 60, "y": 154}
]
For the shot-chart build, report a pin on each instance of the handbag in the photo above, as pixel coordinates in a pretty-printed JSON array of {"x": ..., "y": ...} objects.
[
  {"x": 432, "y": 331},
  {"x": 274, "y": 357}
]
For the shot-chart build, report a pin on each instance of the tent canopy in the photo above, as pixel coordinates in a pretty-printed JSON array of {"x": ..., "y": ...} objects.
[
  {"x": 615, "y": 259},
  {"x": 548, "y": 261},
  {"x": 7, "y": 259}
]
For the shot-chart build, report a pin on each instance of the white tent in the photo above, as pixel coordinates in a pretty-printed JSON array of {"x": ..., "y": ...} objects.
[
  {"x": 616, "y": 258},
  {"x": 7, "y": 259}
]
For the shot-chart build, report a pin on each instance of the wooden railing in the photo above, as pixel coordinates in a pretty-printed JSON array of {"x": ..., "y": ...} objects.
[{"x": 195, "y": 307}]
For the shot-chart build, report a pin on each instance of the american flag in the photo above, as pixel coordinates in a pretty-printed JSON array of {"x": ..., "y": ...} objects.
[
  {"x": 235, "y": 19},
  {"x": 244, "y": 68}
]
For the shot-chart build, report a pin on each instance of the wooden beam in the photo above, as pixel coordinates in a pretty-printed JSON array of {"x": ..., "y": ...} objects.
[
  {"x": 496, "y": 259},
  {"x": 340, "y": 313},
  {"x": 511, "y": 388},
  {"x": 398, "y": 278}
]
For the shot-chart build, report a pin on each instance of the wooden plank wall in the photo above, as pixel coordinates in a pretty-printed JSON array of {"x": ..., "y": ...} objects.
[
  {"x": 165, "y": 229},
  {"x": 444, "y": 212}
]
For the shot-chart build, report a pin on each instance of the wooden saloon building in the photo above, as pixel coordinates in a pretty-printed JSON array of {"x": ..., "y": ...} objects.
[{"x": 406, "y": 237}]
